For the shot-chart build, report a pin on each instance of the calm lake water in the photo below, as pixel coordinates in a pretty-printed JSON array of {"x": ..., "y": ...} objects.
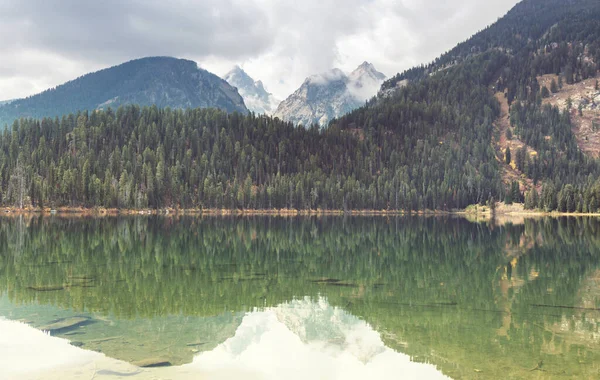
[{"x": 475, "y": 301}]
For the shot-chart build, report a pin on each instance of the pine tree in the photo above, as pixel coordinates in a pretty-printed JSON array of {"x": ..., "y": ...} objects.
[
  {"x": 548, "y": 200},
  {"x": 554, "y": 86},
  {"x": 545, "y": 92},
  {"x": 508, "y": 196},
  {"x": 17, "y": 184},
  {"x": 535, "y": 198},
  {"x": 515, "y": 192},
  {"x": 531, "y": 199}
]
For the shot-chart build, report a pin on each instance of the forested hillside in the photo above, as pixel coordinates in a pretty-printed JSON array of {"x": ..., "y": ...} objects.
[
  {"x": 428, "y": 144},
  {"x": 536, "y": 37},
  {"x": 207, "y": 158}
]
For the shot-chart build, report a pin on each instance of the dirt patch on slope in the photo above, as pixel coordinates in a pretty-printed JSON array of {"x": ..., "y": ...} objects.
[
  {"x": 586, "y": 126},
  {"x": 510, "y": 172}
]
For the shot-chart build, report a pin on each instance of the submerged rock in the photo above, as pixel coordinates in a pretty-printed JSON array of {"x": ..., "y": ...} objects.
[
  {"x": 325, "y": 280},
  {"x": 46, "y": 288},
  {"x": 152, "y": 363},
  {"x": 334, "y": 282},
  {"x": 65, "y": 324},
  {"x": 196, "y": 344}
]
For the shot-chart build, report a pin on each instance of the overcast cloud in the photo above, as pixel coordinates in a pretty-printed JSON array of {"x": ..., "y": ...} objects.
[{"x": 44, "y": 43}]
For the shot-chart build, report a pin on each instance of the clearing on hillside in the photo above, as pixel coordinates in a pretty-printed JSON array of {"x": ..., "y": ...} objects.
[{"x": 586, "y": 125}]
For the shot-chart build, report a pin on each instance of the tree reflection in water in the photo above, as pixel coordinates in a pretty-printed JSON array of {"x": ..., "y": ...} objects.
[{"x": 474, "y": 299}]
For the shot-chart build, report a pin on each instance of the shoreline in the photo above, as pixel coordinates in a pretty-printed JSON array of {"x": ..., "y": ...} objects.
[
  {"x": 82, "y": 211},
  {"x": 518, "y": 210},
  {"x": 473, "y": 211}
]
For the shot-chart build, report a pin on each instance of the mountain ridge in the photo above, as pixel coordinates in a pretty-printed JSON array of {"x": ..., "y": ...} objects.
[
  {"x": 161, "y": 81},
  {"x": 331, "y": 94}
]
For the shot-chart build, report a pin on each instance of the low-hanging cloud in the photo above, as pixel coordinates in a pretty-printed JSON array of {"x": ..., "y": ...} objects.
[
  {"x": 327, "y": 77},
  {"x": 44, "y": 43}
]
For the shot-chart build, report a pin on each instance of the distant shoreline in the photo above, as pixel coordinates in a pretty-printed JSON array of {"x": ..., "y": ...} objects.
[
  {"x": 479, "y": 212},
  {"x": 82, "y": 211}
]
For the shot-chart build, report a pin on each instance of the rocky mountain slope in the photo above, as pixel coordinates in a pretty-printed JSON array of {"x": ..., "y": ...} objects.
[
  {"x": 583, "y": 98},
  {"x": 255, "y": 96},
  {"x": 161, "y": 81},
  {"x": 329, "y": 95}
]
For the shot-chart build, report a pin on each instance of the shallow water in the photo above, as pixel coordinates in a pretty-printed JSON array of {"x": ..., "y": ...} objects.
[{"x": 476, "y": 301}]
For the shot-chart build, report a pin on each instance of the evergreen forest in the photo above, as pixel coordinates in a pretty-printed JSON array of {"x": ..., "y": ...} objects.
[{"x": 426, "y": 142}]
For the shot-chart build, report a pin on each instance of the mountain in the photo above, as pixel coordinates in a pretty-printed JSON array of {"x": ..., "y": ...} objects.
[
  {"x": 161, "y": 81},
  {"x": 524, "y": 84},
  {"x": 506, "y": 115},
  {"x": 329, "y": 95},
  {"x": 3, "y": 102},
  {"x": 365, "y": 81},
  {"x": 257, "y": 99},
  {"x": 529, "y": 26}
]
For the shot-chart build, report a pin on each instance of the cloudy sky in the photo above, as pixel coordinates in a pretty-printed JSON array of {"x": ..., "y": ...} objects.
[{"x": 44, "y": 43}]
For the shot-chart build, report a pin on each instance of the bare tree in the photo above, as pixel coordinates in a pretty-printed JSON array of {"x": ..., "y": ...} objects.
[{"x": 16, "y": 186}]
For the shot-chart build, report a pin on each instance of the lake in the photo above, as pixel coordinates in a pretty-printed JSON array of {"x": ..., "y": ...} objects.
[{"x": 330, "y": 297}]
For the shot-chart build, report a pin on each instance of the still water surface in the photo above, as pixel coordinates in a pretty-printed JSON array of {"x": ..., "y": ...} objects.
[{"x": 344, "y": 296}]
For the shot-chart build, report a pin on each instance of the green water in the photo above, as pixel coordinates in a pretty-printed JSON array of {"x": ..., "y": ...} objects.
[{"x": 478, "y": 301}]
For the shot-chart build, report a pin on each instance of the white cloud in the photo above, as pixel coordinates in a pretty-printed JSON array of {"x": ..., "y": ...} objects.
[
  {"x": 43, "y": 43},
  {"x": 393, "y": 35},
  {"x": 30, "y": 71}
]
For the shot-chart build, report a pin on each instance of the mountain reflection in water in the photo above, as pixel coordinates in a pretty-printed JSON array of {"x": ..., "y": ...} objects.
[
  {"x": 298, "y": 340},
  {"x": 475, "y": 300}
]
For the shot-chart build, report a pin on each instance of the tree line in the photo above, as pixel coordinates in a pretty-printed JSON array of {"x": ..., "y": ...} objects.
[
  {"x": 427, "y": 145},
  {"x": 204, "y": 158}
]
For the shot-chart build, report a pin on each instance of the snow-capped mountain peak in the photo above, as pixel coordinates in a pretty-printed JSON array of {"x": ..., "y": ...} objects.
[
  {"x": 329, "y": 95},
  {"x": 259, "y": 84},
  {"x": 365, "y": 81},
  {"x": 255, "y": 95},
  {"x": 366, "y": 70},
  {"x": 239, "y": 76}
]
